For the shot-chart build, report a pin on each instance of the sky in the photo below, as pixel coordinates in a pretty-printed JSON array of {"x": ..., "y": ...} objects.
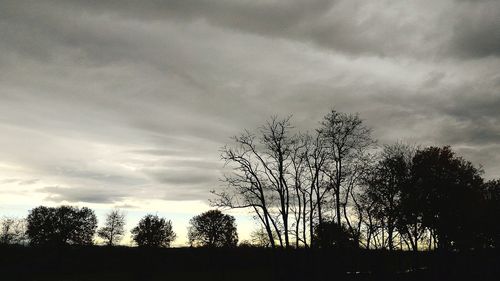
[{"x": 126, "y": 104}]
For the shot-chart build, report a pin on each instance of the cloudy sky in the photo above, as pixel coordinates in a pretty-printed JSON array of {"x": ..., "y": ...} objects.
[{"x": 126, "y": 103}]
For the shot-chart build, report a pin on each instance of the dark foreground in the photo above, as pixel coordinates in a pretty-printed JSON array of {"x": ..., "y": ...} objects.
[{"x": 122, "y": 263}]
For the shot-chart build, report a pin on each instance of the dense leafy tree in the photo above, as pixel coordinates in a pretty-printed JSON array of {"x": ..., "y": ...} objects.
[
  {"x": 113, "y": 229},
  {"x": 410, "y": 223},
  {"x": 386, "y": 182},
  {"x": 329, "y": 234},
  {"x": 153, "y": 231},
  {"x": 213, "y": 229},
  {"x": 488, "y": 221},
  {"x": 60, "y": 226},
  {"x": 448, "y": 193}
]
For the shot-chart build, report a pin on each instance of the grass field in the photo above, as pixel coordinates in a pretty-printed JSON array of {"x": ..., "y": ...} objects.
[{"x": 123, "y": 263}]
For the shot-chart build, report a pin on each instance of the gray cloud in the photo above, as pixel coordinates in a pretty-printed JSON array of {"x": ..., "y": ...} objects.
[
  {"x": 382, "y": 28},
  {"x": 181, "y": 177},
  {"x": 19, "y": 181},
  {"x": 90, "y": 195},
  {"x": 477, "y": 33},
  {"x": 103, "y": 101}
]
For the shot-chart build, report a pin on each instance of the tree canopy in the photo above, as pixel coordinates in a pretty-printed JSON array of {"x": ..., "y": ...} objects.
[
  {"x": 113, "y": 229},
  {"x": 212, "y": 229},
  {"x": 153, "y": 231},
  {"x": 60, "y": 226}
]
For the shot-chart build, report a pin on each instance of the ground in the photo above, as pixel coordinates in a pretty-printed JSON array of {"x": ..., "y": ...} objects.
[{"x": 124, "y": 263}]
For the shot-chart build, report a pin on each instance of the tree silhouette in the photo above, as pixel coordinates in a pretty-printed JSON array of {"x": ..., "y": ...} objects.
[
  {"x": 385, "y": 183},
  {"x": 113, "y": 229},
  {"x": 286, "y": 178},
  {"x": 153, "y": 231},
  {"x": 61, "y": 226},
  {"x": 260, "y": 180},
  {"x": 212, "y": 229},
  {"x": 491, "y": 212},
  {"x": 259, "y": 238},
  {"x": 329, "y": 234},
  {"x": 347, "y": 140},
  {"x": 448, "y": 194}
]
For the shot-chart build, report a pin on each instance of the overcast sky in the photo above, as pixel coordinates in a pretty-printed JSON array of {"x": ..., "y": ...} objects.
[{"x": 126, "y": 103}]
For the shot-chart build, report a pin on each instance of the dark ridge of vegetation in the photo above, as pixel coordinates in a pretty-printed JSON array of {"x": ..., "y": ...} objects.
[
  {"x": 124, "y": 263},
  {"x": 334, "y": 187}
]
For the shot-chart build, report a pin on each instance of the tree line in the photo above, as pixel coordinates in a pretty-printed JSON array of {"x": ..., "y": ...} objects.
[
  {"x": 69, "y": 225},
  {"x": 336, "y": 187},
  {"x": 333, "y": 186}
]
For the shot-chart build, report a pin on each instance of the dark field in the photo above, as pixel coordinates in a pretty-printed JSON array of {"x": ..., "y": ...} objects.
[{"x": 122, "y": 263}]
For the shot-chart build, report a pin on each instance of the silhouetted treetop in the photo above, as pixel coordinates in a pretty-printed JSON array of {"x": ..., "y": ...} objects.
[
  {"x": 212, "y": 229},
  {"x": 60, "y": 226},
  {"x": 153, "y": 231},
  {"x": 329, "y": 234},
  {"x": 448, "y": 192},
  {"x": 113, "y": 229}
]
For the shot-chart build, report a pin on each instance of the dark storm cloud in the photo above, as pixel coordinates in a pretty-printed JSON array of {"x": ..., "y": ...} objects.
[
  {"x": 104, "y": 101},
  {"x": 467, "y": 114},
  {"x": 477, "y": 33},
  {"x": 383, "y": 28},
  {"x": 347, "y": 26}
]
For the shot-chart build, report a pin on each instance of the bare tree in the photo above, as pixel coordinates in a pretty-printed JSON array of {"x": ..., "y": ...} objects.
[
  {"x": 13, "y": 231},
  {"x": 315, "y": 159},
  {"x": 278, "y": 141},
  {"x": 261, "y": 177},
  {"x": 365, "y": 210},
  {"x": 286, "y": 178},
  {"x": 294, "y": 183},
  {"x": 299, "y": 198},
  {"x": 348, "y": 141},
  {"x": 247, "y": 185},
  {"x": 114, "y": 228}
]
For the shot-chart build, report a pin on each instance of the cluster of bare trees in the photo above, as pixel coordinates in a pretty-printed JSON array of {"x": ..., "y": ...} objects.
[
  {"x": 294, "y": 181},
  {"x": 335, "y": 186}
]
